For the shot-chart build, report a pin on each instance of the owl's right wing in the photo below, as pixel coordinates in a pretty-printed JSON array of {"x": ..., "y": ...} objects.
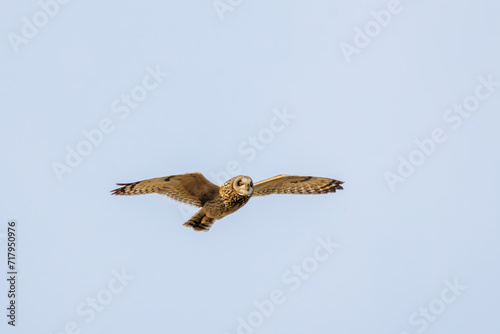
[
  {"x": 190, "y": 188},
  {"x": 294, "y": 184}
]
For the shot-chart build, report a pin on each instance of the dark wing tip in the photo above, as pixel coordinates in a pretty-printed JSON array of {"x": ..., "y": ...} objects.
[
  {"x": 333, "y": 186},
  {"x": 121, "y": 190}
]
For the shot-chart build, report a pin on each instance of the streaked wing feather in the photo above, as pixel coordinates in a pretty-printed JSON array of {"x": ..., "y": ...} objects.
[
  {"x": 190, "y": 188},
  {"x": 292, "y": 184}
]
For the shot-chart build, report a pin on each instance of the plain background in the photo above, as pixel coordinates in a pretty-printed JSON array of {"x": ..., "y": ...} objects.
[{"x": 229, "y": 73}]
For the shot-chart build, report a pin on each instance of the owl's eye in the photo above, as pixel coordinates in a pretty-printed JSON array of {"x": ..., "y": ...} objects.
[{"x": 239, "y": 183}]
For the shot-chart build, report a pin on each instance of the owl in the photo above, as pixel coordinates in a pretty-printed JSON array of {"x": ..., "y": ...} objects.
[{"x": 217, "y": 202}]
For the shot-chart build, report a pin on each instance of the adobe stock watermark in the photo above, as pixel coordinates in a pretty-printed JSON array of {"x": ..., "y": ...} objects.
[
  {"x": 250, "y": 147},
  {"x": 223, "y": 6},
  {"x": 89, "y": 309},
  {"x": 421, "y": 319},
  {"x": 453, "y": 117},
  {"x": 120, "y": 108},
  {"x": 248, "y": 150},
  {"x": 363, "y": 36},
  {"x": 293, "y": 277},
  {"x": 30, "y": 27}
]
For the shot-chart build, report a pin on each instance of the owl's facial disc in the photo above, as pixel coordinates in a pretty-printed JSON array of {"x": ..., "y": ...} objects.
[{"x": 243, "y": 185}]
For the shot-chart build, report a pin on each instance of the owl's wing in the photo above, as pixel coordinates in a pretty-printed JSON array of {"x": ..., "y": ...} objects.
[
  {"x": 292, "y": 184},
  {"x": 190, "y": 188}
]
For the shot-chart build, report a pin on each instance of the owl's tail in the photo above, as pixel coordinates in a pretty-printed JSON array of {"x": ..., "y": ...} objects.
[{"x": 200, "y": 221}]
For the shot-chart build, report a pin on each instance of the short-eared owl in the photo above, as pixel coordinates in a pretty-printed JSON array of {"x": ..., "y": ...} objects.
[{"x": 217, "y": 202}]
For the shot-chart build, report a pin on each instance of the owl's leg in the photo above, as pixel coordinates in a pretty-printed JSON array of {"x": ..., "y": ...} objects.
[{"x": 200, "y": 221}]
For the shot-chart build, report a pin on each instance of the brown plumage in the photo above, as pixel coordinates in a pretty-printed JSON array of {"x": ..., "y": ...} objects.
[{"x": 217, "y": 202}]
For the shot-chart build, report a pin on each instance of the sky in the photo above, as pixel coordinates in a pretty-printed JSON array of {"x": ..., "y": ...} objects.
[{"x": 398, "y": 99}]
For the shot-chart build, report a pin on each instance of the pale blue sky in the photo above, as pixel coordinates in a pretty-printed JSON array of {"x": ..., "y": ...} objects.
[{"x": 255, "y": 88}]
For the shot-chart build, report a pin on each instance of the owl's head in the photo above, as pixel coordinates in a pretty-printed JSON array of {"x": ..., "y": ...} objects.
[{"x": 243, "y": 185}]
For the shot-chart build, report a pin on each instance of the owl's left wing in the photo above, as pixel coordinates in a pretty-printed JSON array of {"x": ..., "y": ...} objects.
[
  {"x": 292, "y": 184},
  {"x": 190, "y": 188}
]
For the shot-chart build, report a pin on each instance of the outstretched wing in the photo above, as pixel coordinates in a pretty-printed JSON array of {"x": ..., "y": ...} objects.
[
  {"x": 292, "y": 184},
  {"x": 190, "y": 188}
]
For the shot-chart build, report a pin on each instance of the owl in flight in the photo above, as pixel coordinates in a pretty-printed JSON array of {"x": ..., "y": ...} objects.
[{"x": 217, "y": 202}]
